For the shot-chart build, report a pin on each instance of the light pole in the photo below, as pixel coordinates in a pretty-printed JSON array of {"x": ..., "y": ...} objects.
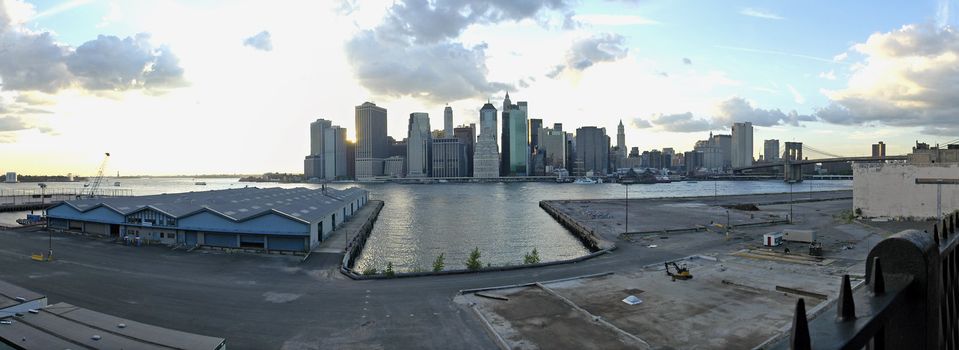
[
  {"x": 626, "y": 231},
  {"x": 790, "y": 202}
]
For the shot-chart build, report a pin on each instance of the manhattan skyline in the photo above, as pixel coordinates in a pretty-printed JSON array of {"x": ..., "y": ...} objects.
[{"x": 836, "y": 76}]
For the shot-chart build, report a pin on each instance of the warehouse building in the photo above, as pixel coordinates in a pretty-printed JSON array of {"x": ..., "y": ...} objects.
[{"x": 294, "y": 219}]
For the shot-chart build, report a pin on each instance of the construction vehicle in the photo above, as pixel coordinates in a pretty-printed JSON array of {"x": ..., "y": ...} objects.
[
  {"x": 682, "y": 272},
  {"x": 90, "y": 190}
]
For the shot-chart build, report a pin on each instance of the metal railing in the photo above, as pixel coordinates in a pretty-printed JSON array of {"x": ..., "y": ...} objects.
[{"x": 912, "y": 299}]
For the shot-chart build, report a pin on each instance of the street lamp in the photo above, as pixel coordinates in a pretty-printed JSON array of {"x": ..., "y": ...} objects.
[
  {"x": 626, "y": 231},
  {"x": 790, "y": 202}
]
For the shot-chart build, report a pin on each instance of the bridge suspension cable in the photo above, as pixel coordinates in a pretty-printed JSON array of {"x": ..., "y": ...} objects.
[{"x": 814, "y": 150}]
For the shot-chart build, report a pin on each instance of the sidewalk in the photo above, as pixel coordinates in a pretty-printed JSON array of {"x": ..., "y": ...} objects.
[{"x": 336, "y": 242}]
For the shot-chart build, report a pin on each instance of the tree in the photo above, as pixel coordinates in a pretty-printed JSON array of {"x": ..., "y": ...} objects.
[
  {"x": 531, "y": 258},
  {"x": 438, "y": 264},
  {"x": 389, "y": 270},
  {"x": 474, "y": 263}
]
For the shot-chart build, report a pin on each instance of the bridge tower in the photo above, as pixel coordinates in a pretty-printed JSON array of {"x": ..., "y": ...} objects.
[{"x": 792, "y": 157}]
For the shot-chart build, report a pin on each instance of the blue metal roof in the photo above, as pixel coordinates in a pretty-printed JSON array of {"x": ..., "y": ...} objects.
[{"x": 303, "y": 204}]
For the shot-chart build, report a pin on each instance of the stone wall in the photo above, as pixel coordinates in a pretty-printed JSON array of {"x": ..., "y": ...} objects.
[{"x": 890, "y": 190}]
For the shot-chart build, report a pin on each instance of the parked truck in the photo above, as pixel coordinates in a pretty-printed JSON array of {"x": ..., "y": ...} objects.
[{"x": 793, "y": 235}]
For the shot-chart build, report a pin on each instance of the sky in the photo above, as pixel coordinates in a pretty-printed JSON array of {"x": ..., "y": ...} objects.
[{"x": 203, "y": 87}]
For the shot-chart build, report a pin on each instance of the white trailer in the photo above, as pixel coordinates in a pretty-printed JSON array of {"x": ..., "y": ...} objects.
[
  {"x": 792, "y": 235},
  {"x": 773, "y": 239}
]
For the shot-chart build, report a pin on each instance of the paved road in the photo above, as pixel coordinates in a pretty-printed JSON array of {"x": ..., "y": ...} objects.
[{"x": 268, "y": 302}]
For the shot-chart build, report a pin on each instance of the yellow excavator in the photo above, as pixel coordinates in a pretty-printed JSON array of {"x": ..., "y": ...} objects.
[{"x": 682, "y": 272}]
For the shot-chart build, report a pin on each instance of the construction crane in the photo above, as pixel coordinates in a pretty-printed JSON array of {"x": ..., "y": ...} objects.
[{"x": 91, "y": 190}]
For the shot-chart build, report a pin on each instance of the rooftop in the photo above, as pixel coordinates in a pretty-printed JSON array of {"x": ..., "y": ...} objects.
[
  {"x": 64, "y": 326},
  {"x": 237, "y": 204},
  {"x": 11, "y": 295}
]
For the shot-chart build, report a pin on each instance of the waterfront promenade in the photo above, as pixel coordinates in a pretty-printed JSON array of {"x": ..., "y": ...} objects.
[{"x": 267, "y": 301}]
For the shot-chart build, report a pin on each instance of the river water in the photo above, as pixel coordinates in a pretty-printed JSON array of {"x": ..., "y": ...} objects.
[{"x": 504, "y": 221}]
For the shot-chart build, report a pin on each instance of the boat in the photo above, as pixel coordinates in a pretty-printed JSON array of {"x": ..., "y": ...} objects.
[
  {"x": 32, "y": 220},
  {"x": 584, "y": 181},
  {"x": 200, "y": 183},
  {"x": 117, "y": 184}
]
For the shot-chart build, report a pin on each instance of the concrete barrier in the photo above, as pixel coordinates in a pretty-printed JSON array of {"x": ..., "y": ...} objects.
[{"x": 589, "y": 239}]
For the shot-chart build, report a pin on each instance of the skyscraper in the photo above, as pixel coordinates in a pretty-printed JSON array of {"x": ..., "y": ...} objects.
[
  {"x": 518, "y": 141},
  {"x": 879, "y": 150},
  {"x": 371, "y": 142},
  {"x": 327, "y": 158},
  {"x": 535, "y": 125},
  {"x": 467, "y": 136},
  {"x": 771, "y": 150},
  {"x": 505, "y": 149},
  {"x": 592, "y": 150},
  {"x": 552, "y": 144},
  {"x": 742, "y": 145},
  {"x": 313, "y": 163},
  {"x": 486, "y": 161},
  {"x": 418, "y": 145},
  {"x": 448, "y": 157},
  {"x": 448, "y": 121},
  {"x": 621, "y": 136}
]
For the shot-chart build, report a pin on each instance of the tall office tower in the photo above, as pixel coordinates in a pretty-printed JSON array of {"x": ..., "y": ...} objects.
[
  {"x": 486, "y": 157},
  {"x": 518, "y": 141},
  {"x": 418, "y": 145},
  {"x": 592, "y": 150},
  {"x": 447, "y": 157},
  {"x": 552, "y": 144},
  {"x": 634, "y": 152},
  {"x": 693, "y": 160},
  {"x": 504, "y": 148},
  {"x": 467, "y": 136},
  {"x": 742, "y": 145},
  {"x": 397, "y": 148},
  {"x": 879, "y": 150},
  {"x": 621, "y": 136},
  {"x": 350, "y": 160},
  {"x": 371, "y": 143},
  {"x": 723, "y": 144},
  {"x": 313, "y": 163},
  {"x": 558, "y": 126},
  {"x": 535, "y": 125},
  {"x": 448, "y": 121},
  {"x": 334, "y": 153},
  {"x": 771, "y": 150},
  {"x": 712, "y": 154}
]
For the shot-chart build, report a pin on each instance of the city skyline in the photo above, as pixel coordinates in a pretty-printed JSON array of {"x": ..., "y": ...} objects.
[{"x": 796, "y": 73}]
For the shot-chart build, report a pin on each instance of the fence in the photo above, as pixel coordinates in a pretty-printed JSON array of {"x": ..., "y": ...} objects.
[
  {"x": 911, "y": 300},
  {"x": 26, "y": 196}
]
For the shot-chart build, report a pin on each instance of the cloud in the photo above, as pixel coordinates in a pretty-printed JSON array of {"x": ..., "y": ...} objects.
[
  {"x": 11, "y": 123},
  {"x": 262, "y": 41},
  {"x": 737, "y": 109},
  {"x": 111, "y": 63},
  {"x": 797, "y": 97},
  {"x": 907, "y": 78},
  {"x": 640, "y": 123},
  {"x": 33, "y": 61},
  {"x": 414, "y": 51},
  {"x": 586, "y": 52},
  {"x": 438, "y": 72},
  {"x": 840, "y": 57},
  {"x": 733, "y": 110},
  {"x": 751, "y": 12},
  {"x": 830, "y": 75},
  {"x": 426, "y": 22},
  {"x": 687, "y": 61},
  {"x": 613, "y": 20}
]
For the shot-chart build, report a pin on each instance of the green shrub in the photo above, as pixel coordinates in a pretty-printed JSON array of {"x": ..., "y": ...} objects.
[
  {"x": 474, "y": 263},
  {"x": 389, "y": 270},
  {"x": 438, "y": 264},
  {"x": 531, "y": 258}
]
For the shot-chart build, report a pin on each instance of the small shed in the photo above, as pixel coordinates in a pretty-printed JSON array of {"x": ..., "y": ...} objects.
[{"x": 773, "y": 239}]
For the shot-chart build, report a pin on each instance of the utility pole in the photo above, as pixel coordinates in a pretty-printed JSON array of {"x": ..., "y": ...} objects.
[
  {"x": 938, "y": 182},
  {"x": 790, "y": 202},
  {"x": 627, "y": 210}
]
